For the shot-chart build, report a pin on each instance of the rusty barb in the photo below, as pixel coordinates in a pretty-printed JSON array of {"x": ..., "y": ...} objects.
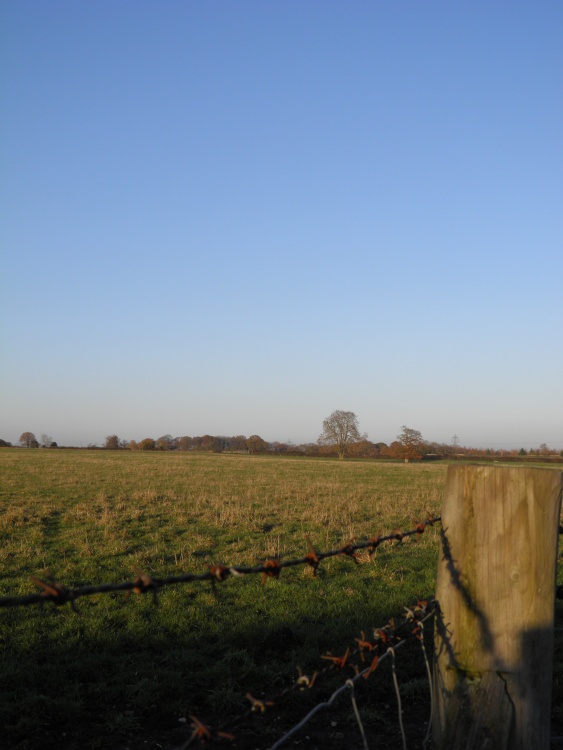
[
  {"x": 57, "y": 593},
  {"x": 353, "y": 664}
]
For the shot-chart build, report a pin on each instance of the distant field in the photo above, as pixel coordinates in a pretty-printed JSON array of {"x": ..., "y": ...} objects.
[{"x": 123, "y": 672}]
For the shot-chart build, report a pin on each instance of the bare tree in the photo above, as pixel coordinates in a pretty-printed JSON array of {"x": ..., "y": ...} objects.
[
  {"x": 27, "y": 439},
  {"x": 340, "y": 429},
  {"x": 148, "y": 444},
  {"x": 411, "y": 443},
  {"x": 184, "y": 443},
  {"x": 112, "y": 443},
  {"x": 46, "y": 440},
  {"x": 166, "y": 443}
]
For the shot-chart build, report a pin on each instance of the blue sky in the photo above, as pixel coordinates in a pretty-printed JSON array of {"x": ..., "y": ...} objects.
[{"x": 237, "y": 217}]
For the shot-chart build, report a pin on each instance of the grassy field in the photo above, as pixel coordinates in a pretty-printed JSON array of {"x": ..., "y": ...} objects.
[{"x": 123, "y": 672}]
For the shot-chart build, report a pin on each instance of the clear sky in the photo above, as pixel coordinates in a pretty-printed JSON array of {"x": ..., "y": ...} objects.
[{"x": 237, "y": 217}]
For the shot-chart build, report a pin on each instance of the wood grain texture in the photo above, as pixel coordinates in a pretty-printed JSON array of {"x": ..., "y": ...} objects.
[{"x": 496, "y": 592}]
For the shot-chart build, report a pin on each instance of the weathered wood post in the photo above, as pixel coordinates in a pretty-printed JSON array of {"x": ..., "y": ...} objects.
[{"x": 496, "y": 592}]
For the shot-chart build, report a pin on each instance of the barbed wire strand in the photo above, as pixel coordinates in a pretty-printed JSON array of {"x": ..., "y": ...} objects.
[
  {"x": 60, "y": 594},
  {"x": 381, "y": 635},
  {"x": 313, "y": 712},
  {"x": 386, "y": 635},
  {"x": 346, "y": 686}
]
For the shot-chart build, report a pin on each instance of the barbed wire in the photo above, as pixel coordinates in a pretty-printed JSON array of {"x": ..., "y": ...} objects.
[
  {"x": 386, "y": 640},
  {"x": 362, "y": 660},
  {"x": 417, "y": 617},
  {"x": 387, "y": 636},
  {"x": 59, "y": 594}
]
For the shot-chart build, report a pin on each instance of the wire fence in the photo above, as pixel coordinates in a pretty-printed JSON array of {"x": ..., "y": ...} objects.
[
  {"x": 356, "y": 663},
  {"x": 59, "y": 594},
  {"x": 360, "y": 662},
  {"x": 417, "y": 617}
]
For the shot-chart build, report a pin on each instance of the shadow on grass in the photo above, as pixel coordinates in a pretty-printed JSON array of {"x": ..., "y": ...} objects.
[{"x": 117, "y": 676}]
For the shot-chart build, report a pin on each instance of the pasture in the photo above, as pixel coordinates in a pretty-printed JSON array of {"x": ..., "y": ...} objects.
[{"x": 124, "y": 672}]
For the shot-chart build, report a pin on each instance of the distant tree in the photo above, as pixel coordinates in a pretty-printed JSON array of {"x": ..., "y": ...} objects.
[
  {"x": 412, "y": 444},
  {"x": 363, "y": 449},
  {"x": 5, "y": 444},
  {"x": 327, "y": 450},
  {"x": 277, "y": 447},
  {"x": 53, "y": 445},
  {"x": 34, "y": 444},
  {"x": 165, "y": 443},
  {"x": 147, "y": 444},
  {"x": 46, "y": 440},
  {"x": 133, "y": 445},
  {"x": 395, "y": 450},
  {"x": 237, "y": 443},
  {"x": 308, "y": 449},
  {"x": 379, "y": 449},
  {"x": 210, "y": 443},
  {"x": 340, "y": 429},
  {"x": 112, "y": 443},
  {"x": 443, "y": 449},
  {"x": 299, "y": 450},
  {"x": 27, "y": 438},
  {"x": 255, "y": 444},
  {"x": 522, "y": 452},
  {"x": 184, "y": 443}
]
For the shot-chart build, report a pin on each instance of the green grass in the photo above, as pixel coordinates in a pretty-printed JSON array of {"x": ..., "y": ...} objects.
[{"x": 124, "y": 670}]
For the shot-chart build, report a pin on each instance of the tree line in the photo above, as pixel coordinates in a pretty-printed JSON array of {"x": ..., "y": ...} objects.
[
  {"x": 340, "y": 437},
  {"x": 28, "y": 440}
]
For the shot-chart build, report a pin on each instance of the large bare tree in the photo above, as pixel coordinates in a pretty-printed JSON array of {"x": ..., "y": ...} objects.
[
  {"x": 28, "y": 440},
  {"x": 340, "y": 429}
]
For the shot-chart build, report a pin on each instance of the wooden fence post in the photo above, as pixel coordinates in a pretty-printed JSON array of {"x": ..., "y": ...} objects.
[{"x": 496, "y": 593}]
